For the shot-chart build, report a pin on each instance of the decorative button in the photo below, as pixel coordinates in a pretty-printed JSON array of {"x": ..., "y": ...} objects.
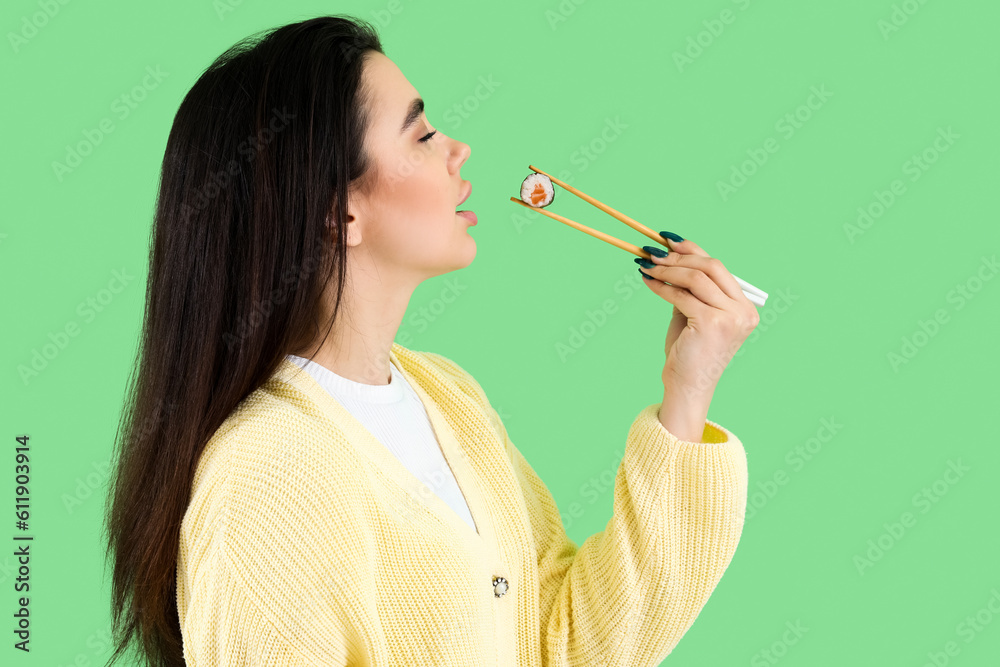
[{"x": 499, "y": 586}]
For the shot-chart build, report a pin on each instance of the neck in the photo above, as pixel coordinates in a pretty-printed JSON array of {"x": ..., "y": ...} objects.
[{"x": 361, "y": 338}]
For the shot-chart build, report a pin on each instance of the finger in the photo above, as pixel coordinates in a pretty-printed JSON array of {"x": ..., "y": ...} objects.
[
  {"x": 711, "y": 266},
  {"x": 684, "y": 246},
  {"x": 698, "y": 283},
  {"x": 689, "y": 305}
]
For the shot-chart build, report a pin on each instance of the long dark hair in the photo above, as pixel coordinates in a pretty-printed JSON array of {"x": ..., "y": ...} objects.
[{"x": 260, "y": 159}]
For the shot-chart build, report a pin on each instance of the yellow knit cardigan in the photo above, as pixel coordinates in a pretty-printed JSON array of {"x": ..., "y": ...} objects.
[{"x": 306, "y": 542}]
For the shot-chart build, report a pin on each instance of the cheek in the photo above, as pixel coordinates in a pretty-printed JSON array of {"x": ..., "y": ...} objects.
[
  {"x": 412, "y": 214},
  {"x": 423, "y": 194}
]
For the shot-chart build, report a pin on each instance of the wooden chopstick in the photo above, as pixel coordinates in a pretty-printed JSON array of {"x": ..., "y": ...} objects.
[
  {"x": 624, "y": 245},
  {"x": 634, "y": 224},
  {"x": 755, "y": 294}
]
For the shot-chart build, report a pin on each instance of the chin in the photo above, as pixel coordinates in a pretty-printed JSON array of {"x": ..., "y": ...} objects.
[
  {"x": 472, "y": 254},
  {"x": 468, "y": 251}
]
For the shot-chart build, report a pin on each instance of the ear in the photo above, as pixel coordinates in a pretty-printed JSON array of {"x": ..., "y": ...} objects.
[{"x": 354, "y": 235}]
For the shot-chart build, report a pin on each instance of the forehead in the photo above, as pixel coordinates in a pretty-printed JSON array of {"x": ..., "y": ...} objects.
[{"x": 391, "y": 91}]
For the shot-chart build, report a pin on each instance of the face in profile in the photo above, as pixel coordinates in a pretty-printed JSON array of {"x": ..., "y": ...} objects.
[{"x": 408, "y": 226}]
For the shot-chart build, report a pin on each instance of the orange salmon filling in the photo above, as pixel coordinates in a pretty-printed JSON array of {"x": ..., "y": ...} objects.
[{"x": 538, "y": 194}]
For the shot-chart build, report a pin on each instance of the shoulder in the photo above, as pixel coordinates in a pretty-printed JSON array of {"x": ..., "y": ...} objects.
[
  {"x": 274, "y": 456},
  {"x": 447, "y": 368},
  {"x": 261, "y": 433}
]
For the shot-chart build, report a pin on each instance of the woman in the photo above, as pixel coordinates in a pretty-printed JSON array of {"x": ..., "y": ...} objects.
[{"x": 269, "y": 504}]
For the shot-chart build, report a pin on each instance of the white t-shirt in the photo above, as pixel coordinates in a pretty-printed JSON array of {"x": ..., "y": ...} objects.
[{"x": 394, "y": 414}]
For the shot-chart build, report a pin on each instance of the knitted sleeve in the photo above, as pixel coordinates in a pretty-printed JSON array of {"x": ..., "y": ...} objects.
[{"x": 629, "y": 593}]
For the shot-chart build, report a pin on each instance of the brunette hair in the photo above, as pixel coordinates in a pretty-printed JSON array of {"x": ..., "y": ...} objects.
[{"x": 260, "y": 159}]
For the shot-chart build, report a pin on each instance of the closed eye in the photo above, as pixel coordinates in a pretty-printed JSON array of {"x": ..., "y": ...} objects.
[{"x": 428, "y": 136}]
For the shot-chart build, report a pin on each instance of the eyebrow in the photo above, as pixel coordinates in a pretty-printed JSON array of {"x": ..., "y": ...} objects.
[{"x": 412, "y": 114}]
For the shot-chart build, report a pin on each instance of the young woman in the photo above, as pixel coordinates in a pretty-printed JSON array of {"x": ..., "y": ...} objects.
[{"x": 295, "y": 488}]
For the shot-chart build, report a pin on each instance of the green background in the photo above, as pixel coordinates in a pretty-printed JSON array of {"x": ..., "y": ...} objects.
[{"x": 562, "y": 74}]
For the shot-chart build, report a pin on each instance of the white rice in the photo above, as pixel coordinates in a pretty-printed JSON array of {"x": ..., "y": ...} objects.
[{"x": 528, "y": 187}]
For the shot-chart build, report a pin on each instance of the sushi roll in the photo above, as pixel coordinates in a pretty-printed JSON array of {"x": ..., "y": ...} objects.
[{"x": 537, "y": 190}]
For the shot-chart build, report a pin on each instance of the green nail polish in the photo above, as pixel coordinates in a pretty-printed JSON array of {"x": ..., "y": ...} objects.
[
  {"x": 643, "y": 262},
  {"x": 653, "y": 250},
  {"x": 672, "y": 236}
]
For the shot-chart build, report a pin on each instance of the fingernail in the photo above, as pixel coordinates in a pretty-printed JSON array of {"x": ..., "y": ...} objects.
[
  {"x": 644, "y": 275},
  {"x": 643, "y": 262},
  {"x": 672, "y": 236},
  {"x": 653, "y": 250}
]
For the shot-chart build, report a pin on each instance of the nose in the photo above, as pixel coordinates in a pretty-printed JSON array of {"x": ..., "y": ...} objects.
[{"x": 460, "y": 154}]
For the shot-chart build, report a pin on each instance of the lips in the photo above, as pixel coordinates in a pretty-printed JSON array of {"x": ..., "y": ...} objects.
[{"x": 468, "y": 191}]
